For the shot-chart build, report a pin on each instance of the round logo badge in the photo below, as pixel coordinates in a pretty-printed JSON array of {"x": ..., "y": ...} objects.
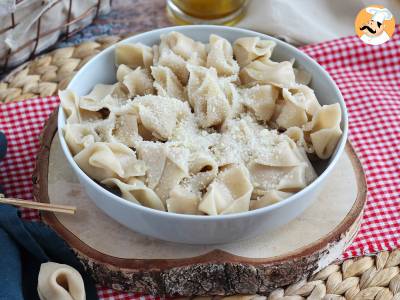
[{"x": 375, "y": 25}]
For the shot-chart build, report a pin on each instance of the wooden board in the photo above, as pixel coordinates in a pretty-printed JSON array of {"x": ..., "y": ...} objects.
[{"x": 125, "y": 260}]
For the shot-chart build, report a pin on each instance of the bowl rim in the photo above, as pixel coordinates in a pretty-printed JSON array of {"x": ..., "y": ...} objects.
[{"x": 200, "y": 218}]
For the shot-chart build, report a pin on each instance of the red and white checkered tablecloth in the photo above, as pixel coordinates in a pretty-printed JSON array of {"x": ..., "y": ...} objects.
[{"x": 369, "y": 79}]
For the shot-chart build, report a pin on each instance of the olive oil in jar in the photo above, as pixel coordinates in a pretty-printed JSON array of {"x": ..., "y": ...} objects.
[{"x": 220, "y": 12}]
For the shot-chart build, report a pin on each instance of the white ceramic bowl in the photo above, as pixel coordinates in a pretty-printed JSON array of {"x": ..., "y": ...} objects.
[{"x": 204, "y": 229}]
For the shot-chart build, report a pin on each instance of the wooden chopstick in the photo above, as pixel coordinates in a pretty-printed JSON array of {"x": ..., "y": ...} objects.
[{"x": 40, "y": 206}]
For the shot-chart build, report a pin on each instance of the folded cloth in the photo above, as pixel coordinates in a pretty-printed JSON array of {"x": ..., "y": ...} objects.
[
  {"x": 3, "y": 145},
  {"x": 24, "y": 246},
  {"x": 303, "y": 22},
  {"x": 3, "y": 151},
  {"x": 10, "y": 265}
]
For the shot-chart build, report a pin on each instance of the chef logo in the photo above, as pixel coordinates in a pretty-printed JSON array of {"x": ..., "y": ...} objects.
[{"x": 375, "y": 25}]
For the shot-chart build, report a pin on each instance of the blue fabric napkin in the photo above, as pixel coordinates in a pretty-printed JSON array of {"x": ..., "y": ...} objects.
[
  {"x": 3, "y": 151},
  {"x": 24, "y": 246},
  {"x": 3, "y": 145}
]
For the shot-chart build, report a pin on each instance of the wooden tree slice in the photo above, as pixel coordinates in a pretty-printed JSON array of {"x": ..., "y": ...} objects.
[{"x": 125, "y": 260}]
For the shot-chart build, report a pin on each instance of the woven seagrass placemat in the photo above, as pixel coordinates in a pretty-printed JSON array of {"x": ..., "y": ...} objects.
[
  {"x": 46, "y": 74},
  {"x": 362, "y": 278}
]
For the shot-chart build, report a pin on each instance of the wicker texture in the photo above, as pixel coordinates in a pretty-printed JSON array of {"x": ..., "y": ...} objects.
[
  {"x": 33, "y": 26},
  {"x": 46, "y": 74},
  {"x": 355, "y": 279}
]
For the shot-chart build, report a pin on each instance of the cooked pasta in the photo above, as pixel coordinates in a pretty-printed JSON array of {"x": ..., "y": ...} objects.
[{"x": 204, "y": 129}]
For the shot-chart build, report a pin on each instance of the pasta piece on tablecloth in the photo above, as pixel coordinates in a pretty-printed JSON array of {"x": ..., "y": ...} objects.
[{"x": 53, "y": 279}]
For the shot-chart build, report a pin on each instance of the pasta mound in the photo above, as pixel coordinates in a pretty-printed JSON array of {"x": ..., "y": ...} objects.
[{"x": 203, "y": 129}]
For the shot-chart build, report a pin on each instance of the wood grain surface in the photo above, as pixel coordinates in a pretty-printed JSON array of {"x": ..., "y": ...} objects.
[{"x": 131, "y": 262}]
